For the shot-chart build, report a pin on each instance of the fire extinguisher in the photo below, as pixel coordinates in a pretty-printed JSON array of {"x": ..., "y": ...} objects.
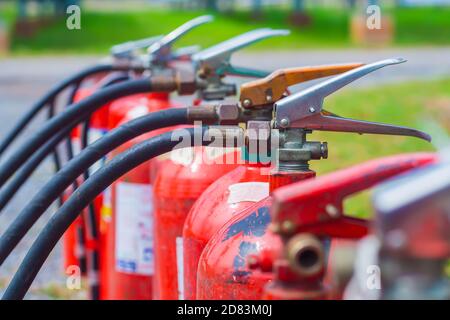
[
  {"x": 127, "y": 212},
  {"x": 409, "y": 244},
  {"x": 315, "y": 212},
  {"x": 75, "y": 238},
  {"x": 246, "y": 184},
  {"x": 183, "y": 178},
  {"x": 74, "y": 243},
  {"x": 126, "y": 216},
  {"x": 224, "y": 271}
]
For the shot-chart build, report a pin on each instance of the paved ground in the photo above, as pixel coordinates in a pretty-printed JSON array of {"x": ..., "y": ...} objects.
[{"x": 23, "y": 80}]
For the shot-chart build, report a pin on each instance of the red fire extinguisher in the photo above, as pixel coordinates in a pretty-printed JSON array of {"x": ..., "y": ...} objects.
[
  {"x": 179, "y": 182},
  {"x": 183, "y": 179},
  {"x": 127, "y": 259},
  {"x": 240, "y": 260},
  {"x": 243, "y": 186},
  {"x": 229, "y": 195},
  {"x": 315, "y": 213},
  {"x": 109, "y": 117},
  {"x": 223, "y": 270},
  {"x": 127, "y": 215}
]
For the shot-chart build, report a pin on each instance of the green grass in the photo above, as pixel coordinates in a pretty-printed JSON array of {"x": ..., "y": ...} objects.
[
  {"x": 7, "y": 14},
  {"x": 429, "y": 26},
  {"x": 329, "y": 28},
  {"x": 404, "y": 104},
  {"x": 57, "y": 291}
]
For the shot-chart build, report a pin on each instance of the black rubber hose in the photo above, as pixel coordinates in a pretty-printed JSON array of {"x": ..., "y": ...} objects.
[
  {"x": 19, "y": 178},
  {"x": 90, "y": 189},
  {"x": 56, "y": 157},
  {"x": 80, "y": 232},
  {"x": 10, "y": 189},
  {"x": 55, "y": 153},
  {"x": 50, "y": 95},
  {"x": 69, "y": 144},
  {"x": 76, "y": 112},
  {"x": 90, "y": 226},
  {"x": 72, "y": 170}
]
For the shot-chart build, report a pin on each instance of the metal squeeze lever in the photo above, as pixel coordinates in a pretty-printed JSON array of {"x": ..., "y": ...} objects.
[
  {"x": 162, "y": 50},
  {"x": 215, "y": 61},
  {"x": 159, "y": 47},
  {"x": 305, "y": 109},
  {"x": 274, "y": 86},
  {"x": 213, "y": 64},
  {"x": 316, "y": 205},
  {"x": 127, "y": 49}
]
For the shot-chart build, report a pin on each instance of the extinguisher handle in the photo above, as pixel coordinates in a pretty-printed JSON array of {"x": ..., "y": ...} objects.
[
  {"x": 215, "y": 61},
  {"x": 316, "y": 205},
  {"x": 305, "y": 109},
  {"x": 272, "y": 88},
  {"x": 161, "y": 49},
  {"x": 127, "y": 49}
]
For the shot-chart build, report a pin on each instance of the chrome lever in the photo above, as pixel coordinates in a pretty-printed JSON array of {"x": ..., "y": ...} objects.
[
  {"x": 162, "y": 48},
  {"x": 216, "y": 59},
  {"x": 305, "y": 109},
  {"x": 126, "y": 49}
]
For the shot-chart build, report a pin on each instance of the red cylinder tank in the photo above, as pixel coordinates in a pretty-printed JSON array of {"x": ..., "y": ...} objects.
[
  {"x": 179, "y": 182},
  {"x": 223, "y": 271},
  {"x": 229, "y": 195},
  {"x": 127, "y": 252}
]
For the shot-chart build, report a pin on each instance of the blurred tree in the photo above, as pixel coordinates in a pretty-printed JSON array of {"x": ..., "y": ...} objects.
[
  {"x": 61, "y": 5},
  {"x": 27, "y": 25},
  {"x": 351, "y": 3},
  {"x": 58, "y": 6},
  {"x": 299, "y": 17},
  {"x": 211, "y": 5},
  {"x": 22, "y": 8},
  {"x": 257, "y": 12}
]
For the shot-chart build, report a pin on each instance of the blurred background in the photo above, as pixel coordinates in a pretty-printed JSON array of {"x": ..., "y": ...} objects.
[
  {"x": 38, "y": 26},
  {"x": 37, "y": 50}
]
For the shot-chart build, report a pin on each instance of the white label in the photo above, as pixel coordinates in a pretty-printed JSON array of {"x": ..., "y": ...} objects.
[
  {"x": 180, "y": 268},
  {"x": 134, "y": 228},
  {"x": 248, "y": 191}
]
